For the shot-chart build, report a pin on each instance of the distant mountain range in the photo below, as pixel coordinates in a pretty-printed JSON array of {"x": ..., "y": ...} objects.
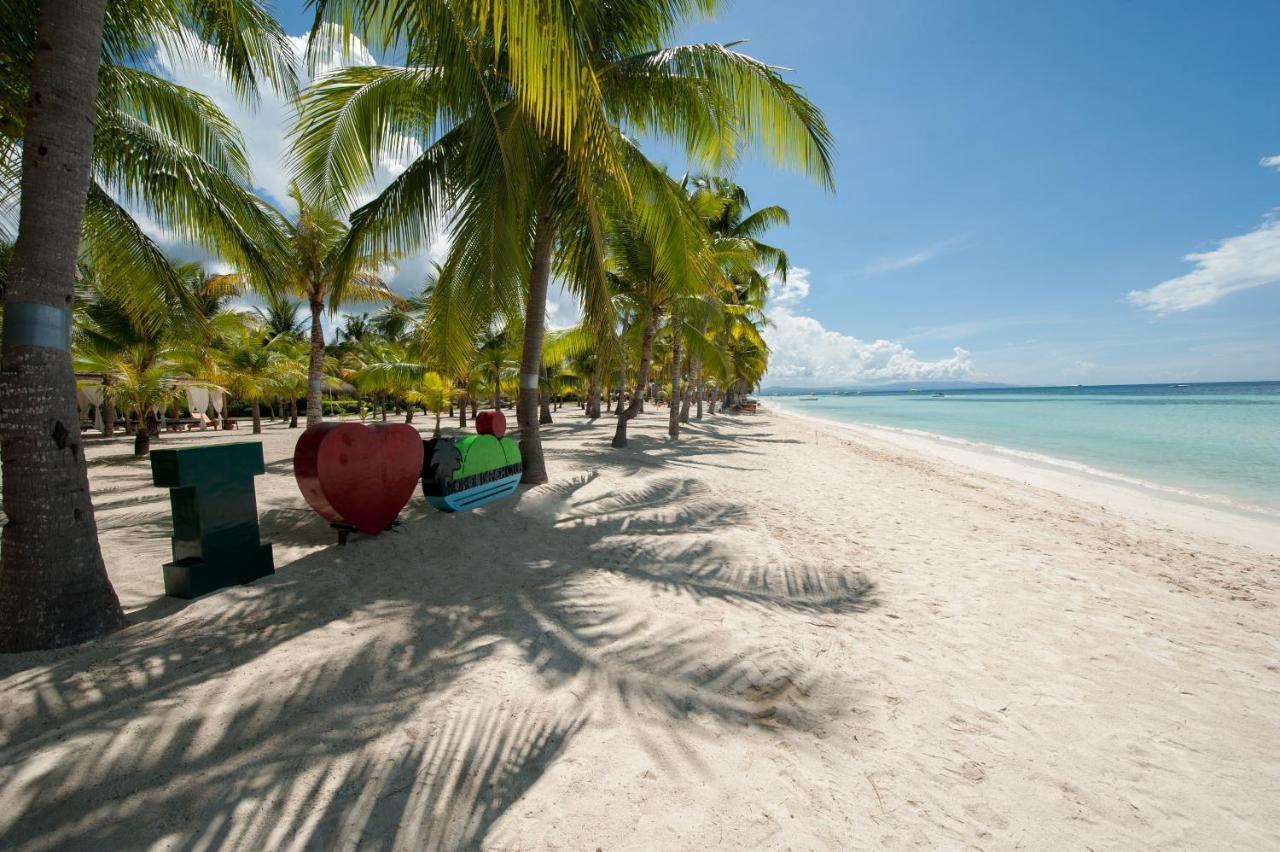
[{"x": 923, "y": 384}]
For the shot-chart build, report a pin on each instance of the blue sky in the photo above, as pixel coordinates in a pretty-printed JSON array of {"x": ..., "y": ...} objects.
[{"x": 1007, "y": 175}]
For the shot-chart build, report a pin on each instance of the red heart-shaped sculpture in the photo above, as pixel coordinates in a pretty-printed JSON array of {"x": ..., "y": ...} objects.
[{"x": 358, "y": 475}]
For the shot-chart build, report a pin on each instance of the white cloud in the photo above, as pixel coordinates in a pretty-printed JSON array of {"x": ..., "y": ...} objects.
[
  {"x": 790, "y": 291},
  {"x": 563, "y": 310},
  {"x": 1238, "y": 263},
  {"x": 1270, "y": 162},
  {"x": 804, "y": 352},
  {"x": 917, "y": 258}
]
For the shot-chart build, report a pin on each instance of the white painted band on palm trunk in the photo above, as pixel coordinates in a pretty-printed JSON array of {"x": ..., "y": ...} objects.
[{"x": 528, "y": 381}]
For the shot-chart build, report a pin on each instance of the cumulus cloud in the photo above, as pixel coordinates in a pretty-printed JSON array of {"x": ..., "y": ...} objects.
[
  {"x": 1270, "y": 162},
  {"x": 791, "y": 290},
  {"x": 804, "y": 352},
  {"x": 1238, "y": 263}
]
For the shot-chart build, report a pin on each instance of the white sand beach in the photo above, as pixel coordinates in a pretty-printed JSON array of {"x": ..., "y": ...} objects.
[{"x": 772, "y": 634}]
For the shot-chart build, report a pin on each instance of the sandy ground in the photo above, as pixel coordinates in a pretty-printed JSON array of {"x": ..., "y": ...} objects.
[{"x": 772, "y": 634}]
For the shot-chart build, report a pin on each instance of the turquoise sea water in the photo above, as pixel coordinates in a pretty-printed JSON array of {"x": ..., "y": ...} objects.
[{"x": 1216, "y": 439}]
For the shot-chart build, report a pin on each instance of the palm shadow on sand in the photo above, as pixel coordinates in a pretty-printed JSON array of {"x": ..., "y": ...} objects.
[{"x": 362, "y": 696}]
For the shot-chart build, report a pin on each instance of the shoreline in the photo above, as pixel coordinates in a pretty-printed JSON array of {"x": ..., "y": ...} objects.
[{"x": 1213, "y": 515}]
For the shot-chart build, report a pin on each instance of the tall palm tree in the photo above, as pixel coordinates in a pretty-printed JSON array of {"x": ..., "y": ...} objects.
[
  {"x": 53, "y": 586},
  {"x": 316, "y": 269},
  {"x": 515, "y": 189}
]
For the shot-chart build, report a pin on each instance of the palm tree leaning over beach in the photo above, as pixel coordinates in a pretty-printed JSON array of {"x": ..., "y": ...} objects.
[
  {"x": 53, "y": 585},
  {"x": 512, "y": 187}
]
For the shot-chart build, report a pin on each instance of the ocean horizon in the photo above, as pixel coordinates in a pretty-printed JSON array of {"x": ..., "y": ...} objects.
[{"x": 1219, "y": 440}]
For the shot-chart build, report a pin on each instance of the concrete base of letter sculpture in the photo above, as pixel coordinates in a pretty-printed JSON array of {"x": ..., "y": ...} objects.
[
  {"x": 215, "y": 517},
  {"x": 358, "y": 477},
  {"x": 461, "y": 473}
]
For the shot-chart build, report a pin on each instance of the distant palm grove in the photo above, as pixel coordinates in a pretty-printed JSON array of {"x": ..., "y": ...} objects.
[{"x": 520, "y": 125}]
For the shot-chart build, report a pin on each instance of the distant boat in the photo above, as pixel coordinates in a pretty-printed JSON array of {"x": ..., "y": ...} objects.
[
  {"x": 1180, "y": 386},
  {"x": 913, "y": 390},
  {"x": 936, "y": 395},
  {"x": 809, "y": 397},
  {"x": 1077, "y": 386}
]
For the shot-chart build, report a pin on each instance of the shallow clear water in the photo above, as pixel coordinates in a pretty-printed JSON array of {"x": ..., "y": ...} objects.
[{"x": 1218, "y": 439}]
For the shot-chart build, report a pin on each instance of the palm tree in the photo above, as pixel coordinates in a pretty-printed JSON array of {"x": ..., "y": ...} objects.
[
  {"x": 496, "y": 359},
  {"x": 250, "y": 366},
  {"x": 141, "y": 390},
  {"x": 159, "y": 147},
  {"x": 355, "y": 329},
  {"x": 723, "y": 206},
  {"x": 515, "y": 188},
  {"x": 289, "y": 371},
  {"x": 53, "y": 585},
  {"x": 434, "y": 393},
  {"x": 660, "y": 262},
  {"x": 384, "y": 369},
  {"x": 280, "y": 316},
  {"x": 137, "y": 361},
  {"x": 317, "y": 270}
]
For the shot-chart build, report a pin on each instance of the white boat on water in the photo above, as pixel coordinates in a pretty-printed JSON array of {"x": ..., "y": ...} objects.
[{"x": 809, "y": 397}]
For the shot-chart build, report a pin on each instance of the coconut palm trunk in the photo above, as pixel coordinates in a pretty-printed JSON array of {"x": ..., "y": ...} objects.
[
  {"x": 544, "y": 400},
  {"x": 642, "y": 381},
  {"x": 677, "y": 396},
  {"x": 257, "y": 417},
  {"x": 462, "y": 412},
  {"x": 535, "y": 317},
  {"x": 597, "y": 379},
  {"x": 315, "y": 364},
  {"x": 54, "y": 589},
  {"x": 108, "y": 410},
  {"x": 695, "y": 382},
  {"x": 142, "y": 443}
]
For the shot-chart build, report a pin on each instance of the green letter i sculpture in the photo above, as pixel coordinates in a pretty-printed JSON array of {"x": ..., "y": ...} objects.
[{"x": 215, "y": 517}]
